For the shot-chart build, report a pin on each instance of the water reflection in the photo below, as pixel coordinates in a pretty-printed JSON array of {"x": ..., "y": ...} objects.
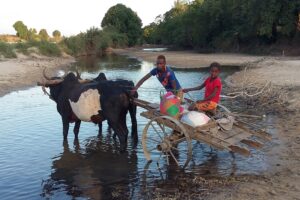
[
  {"x": 92, "y": 64},
  {"x": 94, "y": 169}
]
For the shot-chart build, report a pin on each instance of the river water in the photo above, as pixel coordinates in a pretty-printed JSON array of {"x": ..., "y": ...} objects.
[{"x": 35, "y": 163}]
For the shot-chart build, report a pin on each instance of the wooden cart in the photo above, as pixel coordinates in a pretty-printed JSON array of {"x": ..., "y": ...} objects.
[{"x": 164, "y": 136}]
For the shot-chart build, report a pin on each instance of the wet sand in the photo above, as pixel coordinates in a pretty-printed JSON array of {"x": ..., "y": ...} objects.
[{"x": 25, "y": 71}]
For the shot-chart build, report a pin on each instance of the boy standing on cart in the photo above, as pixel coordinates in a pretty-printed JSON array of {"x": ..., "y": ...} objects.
[{"x": 165, "y": 76}]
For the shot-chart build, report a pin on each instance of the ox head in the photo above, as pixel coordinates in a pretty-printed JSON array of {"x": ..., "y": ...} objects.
[
  {"x": 56, "y": 84},
  {"x": 100, "y": 77}
]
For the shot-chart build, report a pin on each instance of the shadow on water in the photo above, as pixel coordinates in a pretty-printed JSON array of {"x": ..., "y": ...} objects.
[{"x": 93, "y": 169}]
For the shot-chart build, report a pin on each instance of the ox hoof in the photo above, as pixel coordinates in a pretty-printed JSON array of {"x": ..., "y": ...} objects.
[{"x": 123, "y": 149}]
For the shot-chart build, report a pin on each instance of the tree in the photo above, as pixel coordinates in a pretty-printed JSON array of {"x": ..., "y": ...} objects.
[
  {"x": 21, "y": 29},
  {"x": 225, "y": 24},
  {"x": 43, "y": 35},
  {"x": 125, "y": 21},
  {"x": 32, "y": 34},
  {"x": 57, "y": 35}
]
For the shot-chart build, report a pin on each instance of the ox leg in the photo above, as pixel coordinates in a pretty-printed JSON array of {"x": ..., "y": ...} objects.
[
  {"x": 76, "y": 128},
  {"x": 123, "y": 128},
  {"x": 100, "y": 129},
  {"x": 132, "y": 112},
  {"x": 122, "y": 138},
  {"x": 65, "y": 128}
]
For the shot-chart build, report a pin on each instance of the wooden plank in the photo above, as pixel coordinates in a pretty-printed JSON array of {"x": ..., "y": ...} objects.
[
  {"x": 252, "y": 143},
  {"x": 241, "y": 150},
  {"x": 145, "y": 104},
  {"x": 261, "y": 134}
]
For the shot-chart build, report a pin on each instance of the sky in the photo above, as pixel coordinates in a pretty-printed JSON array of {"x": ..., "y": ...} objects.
[{"x": 72, "y": 17}]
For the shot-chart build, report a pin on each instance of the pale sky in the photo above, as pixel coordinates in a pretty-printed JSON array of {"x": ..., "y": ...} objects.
[{"x": 72, "y": 17}]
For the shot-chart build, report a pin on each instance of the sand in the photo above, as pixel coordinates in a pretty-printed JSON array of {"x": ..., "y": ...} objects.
[
  {"x": 25, "y": 71},
  {"x": 189, "y": 59}
]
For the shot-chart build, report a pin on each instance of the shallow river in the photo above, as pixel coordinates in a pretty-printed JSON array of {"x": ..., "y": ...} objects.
[{"x": 36, "y": 164}]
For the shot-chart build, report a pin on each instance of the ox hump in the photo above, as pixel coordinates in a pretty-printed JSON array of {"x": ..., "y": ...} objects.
[{"x": 87, "y": 105}]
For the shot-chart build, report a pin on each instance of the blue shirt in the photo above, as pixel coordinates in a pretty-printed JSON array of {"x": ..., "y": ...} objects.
[{"x": 166, "y": 78}]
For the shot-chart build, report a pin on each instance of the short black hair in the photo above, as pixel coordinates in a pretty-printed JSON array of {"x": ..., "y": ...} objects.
[
  {"x": 161, "y": 57},
  {"x": 216, "y": 65}
]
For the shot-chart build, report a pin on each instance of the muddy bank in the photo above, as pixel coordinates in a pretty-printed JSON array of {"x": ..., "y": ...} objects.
[{"x": 25, "y": 71}]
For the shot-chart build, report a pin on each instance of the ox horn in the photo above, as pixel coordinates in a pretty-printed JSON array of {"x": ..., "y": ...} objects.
[
  {"x": 49, "y": 82},
  {"x": 85, "y": 80},
  {"x": 77, "y": 74},
  {"x": 44, "y": 74}
]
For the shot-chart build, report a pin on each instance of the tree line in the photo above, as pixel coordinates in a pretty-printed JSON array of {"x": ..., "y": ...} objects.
[
  {"x": 226, "y": 24},
  {"x": 121, "y": 27},
  {"x": 209, "y": 25},
  {"x": 31, "y": 34}
]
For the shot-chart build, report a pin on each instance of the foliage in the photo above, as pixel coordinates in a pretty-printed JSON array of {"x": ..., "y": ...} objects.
[
  {"x": 73, "y": 45},
  {"x": 32, "y": 34},
  {"x": 57, "y": 35},
  {"x": 21, "y": 29},
  {"x": 48, "y": 48},
  {"x": 23, "y": 47},
  {"x": 125, "y": 21},
  {"x": 94, "y": 41},
  {"x": 115, "y": 39},
  {"x": 44, "y": 35},
  {"x": 7, "y": 50},
  {"x": 225, "y": 24}
]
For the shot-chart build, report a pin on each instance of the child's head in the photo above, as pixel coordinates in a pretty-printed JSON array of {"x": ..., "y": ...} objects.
[
  {"x": 161, "y": 62},
  {"x": 214, "y": 69}
]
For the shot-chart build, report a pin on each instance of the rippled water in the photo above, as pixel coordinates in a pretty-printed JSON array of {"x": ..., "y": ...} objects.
[{"x": 35, "y": 163}]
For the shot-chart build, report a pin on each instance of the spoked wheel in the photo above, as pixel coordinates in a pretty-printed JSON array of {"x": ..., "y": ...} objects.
[{"x": 164, "y": 137}]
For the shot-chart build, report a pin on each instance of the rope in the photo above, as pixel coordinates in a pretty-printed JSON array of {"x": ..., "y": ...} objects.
[{"x": 46, "y": 93}]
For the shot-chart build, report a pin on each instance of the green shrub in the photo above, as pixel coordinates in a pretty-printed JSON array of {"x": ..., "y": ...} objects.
[
  {"x": 73, "y": 45},
  {"x": 47, "y": 48},
  {"x": 7, "y": 50},
  {"x": 22, "y": 47}
]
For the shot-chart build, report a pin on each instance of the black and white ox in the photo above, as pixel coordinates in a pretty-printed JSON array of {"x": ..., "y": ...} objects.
[{"x": 93, "y": 101}]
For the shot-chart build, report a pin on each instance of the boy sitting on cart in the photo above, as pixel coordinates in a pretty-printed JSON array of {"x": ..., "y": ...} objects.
[{"x": 213, "y": 87}]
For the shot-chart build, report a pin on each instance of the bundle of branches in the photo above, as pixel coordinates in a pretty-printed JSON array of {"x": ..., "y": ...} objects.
[{"x": 257, "y": 95}]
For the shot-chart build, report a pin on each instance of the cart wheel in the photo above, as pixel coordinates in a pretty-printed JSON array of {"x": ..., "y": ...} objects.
[{"x": 160, "y": 140}]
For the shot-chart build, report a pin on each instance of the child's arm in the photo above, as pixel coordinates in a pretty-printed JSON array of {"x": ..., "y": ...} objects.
[
  {"x": 194, "y": 88},
  {"x": 212, "y": 95},
  {"x": 146, "y": 77}
]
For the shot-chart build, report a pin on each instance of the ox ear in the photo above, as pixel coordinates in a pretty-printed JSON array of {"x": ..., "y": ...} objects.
[
  {"x": 77, "y": 74},
  {"x": 101, "y": 77}
]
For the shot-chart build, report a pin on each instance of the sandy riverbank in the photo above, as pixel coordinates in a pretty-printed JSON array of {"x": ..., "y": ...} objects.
[
  {"x": 25, "y": 71},
  {"x": 189, "y": 59},
  {"x": 282, "y": 180}
]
